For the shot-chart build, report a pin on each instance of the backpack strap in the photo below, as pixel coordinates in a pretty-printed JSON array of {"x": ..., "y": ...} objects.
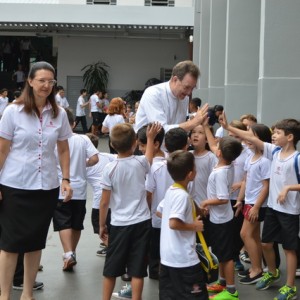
[
  {"x": 275, "y": 150},
  {"x": 296, "y": 165}
]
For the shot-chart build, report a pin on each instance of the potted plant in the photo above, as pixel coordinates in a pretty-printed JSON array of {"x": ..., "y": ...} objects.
[{"x": 95, "y": 76}]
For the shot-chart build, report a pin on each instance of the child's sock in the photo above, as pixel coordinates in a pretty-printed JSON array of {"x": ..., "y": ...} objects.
[{"x": 231, "y": 289}]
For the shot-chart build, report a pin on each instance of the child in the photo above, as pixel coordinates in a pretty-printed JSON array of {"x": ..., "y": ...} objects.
[
  {"x": 114, "y": 116},
  {"x": 282, "y": 216},
  {"x": 93, "y": 176},
  {"x": 221, "y": 214},
  {"x": 256, "y": 189},
  {"x": 124, "y": 192},
  {"x": 181, "y": 276},
  {"x": 3, "y": 100},
  {"x": 157, "y": 183},
  {"x": 69, "y": 216},
  {"x": 194, "y": 105}
]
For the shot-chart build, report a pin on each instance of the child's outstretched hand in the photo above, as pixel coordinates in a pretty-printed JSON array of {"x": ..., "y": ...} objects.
[
  {"x": 152, "y": 130},
  {"x": 223, "y": 120}
]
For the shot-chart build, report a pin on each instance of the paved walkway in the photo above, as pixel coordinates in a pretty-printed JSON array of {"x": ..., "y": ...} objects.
[{"x": 85, "y": 283}]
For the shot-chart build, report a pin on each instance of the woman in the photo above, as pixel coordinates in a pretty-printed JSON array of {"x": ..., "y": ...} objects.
[{"x": 30, "y": 129}]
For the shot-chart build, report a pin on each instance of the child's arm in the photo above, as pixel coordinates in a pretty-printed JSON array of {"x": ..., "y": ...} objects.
[
  {"x": 104, "y": 129},
  {"x": 152, "y": 131},
  {"x": 212, "y": 142},
  {"x": 104, "y": 205},
  {"x": 245, "y": 135},
  {"x": 92, "y": 160},
  {"x": 254, "y": 211},
  {"x": 240, "y": 198},
  {"x": 208, "y": 202},
  {"x": 287, "y": 188},
  {"x": 177, "y": 224},
  {"x": 149, "y": 199}
]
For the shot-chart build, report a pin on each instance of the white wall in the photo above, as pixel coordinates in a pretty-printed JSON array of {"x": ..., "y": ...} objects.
[{"x": 132, "y": 61}]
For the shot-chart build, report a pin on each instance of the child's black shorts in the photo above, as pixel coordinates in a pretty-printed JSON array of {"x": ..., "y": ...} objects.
[
  {"x": 182, "y": 283},
  {"x": 128, "y": 246},
  {"x": 69, "y": 215}
]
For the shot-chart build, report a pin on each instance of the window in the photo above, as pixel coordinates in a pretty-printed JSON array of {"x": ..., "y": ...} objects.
[
  {"x": 159, "y": 2},
  {"x": 105, "y": 2}
]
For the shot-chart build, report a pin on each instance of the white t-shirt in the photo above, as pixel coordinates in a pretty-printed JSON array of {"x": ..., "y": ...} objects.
[
  {"x": 204, "y": 166},
  {"x": 257, "y": 171},
  {"x": 3, "y": 104},
  {"x": 219, "y": 132},
  {"x": 282, "y": 173},
  {"x": 158, "y": 104},
  {"x": 94, "y": 175},
  {"x": 80, "y": 111},
  {"x": 239, "y": 172},
  {"x": 177, "y": 247},
  {"x": 94, "y": 100},
  {"x": 158, "y": 181},
  {"x": 62, "y": 101},
  {"x": 110, "y": 121},
  {"x": 81, "y": 149},
  {"x": 31, "y": 161},
  {"x": 219, "y": 184},
  {"x": 20, "y": 76},
  {"x": 125, "y": 178}
]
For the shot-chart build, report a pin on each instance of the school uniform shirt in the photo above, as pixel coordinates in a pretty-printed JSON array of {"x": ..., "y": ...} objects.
[
  {"x": 158, "y": 181},
  {"x": 3, "y": 104},
  {"x": 177, "y": 247},
  {"x": 282, "y": 173},
  {"x": 239, "y": 172},
  {"x": 257, "y": 171},
  {"x": 111, "y": 120},
  {"x": 204, "y": 166},
  {"x": 80, "y": 111},
  {"x": 30, "y": 163},
  {"x": 125, "y": 178},
  {"x": 94, "y": 176},
  {"x": 219, "y": 184},
  {"x": 158, "y": 104},
  {"x": 94, "y": 100},
  {"x": 81, "y": 149}
]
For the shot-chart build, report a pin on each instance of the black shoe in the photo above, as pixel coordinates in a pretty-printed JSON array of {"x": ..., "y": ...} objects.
[
  {"x": 102, "y": 252},
  {"x": 244, "y": 274},
  {"x": 249, "y": 280},
  {"x": 126, "y": 277},
  {"x": 37, "y": 286}
]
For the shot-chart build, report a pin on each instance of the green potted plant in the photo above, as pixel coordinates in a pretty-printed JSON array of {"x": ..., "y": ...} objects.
[{"x": 95, "y": 76}]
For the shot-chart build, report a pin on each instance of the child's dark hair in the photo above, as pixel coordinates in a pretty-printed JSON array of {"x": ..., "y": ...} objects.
[
  {"x": 3, "y": 90},
  {"x": 179, "y": 164},
  {"x": 94, "y": 139},
  {"x": 142, "y": 135},
  {"x": 218, "y": 108},
  {"x": 263, "y": 132},
  {"x": 230, "y": 148},
  {"x": 70, "y": 116},
  {"x": 290, "y": 126},
  {"x": 17, "y": 94},
  {"x": 122, "y": 137},
  {"x": 83, "y": 91},
  {"x": 196, "y": 102},
  {"x": 176, "y": 139}
]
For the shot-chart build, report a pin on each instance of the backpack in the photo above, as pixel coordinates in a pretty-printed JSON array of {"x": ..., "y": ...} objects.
[{"x": 296, "y": 166}]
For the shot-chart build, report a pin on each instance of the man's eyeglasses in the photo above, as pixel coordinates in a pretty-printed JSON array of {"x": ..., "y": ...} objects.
[{"x": 44, "y": 81}]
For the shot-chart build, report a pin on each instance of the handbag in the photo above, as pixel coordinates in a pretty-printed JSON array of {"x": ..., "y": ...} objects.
[{"x": 208, "y": 261}]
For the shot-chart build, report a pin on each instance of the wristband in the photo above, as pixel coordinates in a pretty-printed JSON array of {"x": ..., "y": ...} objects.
[{"x": 67, "y": 179}]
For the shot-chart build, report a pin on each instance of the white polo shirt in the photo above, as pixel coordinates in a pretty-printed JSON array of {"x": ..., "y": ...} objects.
[
  {"x": 3, "y": 104},
  {"x": 31, "y": 162},
  {"x": 80, "y": 111},
  {"x": 94, "y": 100}
]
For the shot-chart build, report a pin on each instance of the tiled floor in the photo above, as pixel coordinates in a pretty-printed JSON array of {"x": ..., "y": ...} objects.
[{"x": 85, "y": 283}]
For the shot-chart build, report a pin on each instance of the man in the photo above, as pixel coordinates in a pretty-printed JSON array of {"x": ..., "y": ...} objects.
[{"x": 167, "y": 103}]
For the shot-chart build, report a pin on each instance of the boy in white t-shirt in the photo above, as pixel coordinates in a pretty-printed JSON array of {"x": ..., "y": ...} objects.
[
  {"x": 181, "y": 276},
  {"x": 124, "y": 192},
  {"x": 221, "y": 214},
  {"x": 282, "y": 216},
  {"x": 69, "y": 216}
]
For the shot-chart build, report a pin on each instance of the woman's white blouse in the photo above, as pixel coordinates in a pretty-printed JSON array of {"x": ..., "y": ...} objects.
[{"x": 31, "y": 162}]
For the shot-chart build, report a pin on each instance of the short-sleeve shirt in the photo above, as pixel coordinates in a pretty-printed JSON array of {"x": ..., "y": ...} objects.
[
  {"x": 219, "y": 184},
  {"x": 31, "y": 162},
  {"x": 257, "y": 171},
  {"x": 125, "y": 178},
  {"x": 80, "y": 111},
  {"x": 111, "y": 120},
  {"x": 282, "y": 173},
  {"x": 81, "y": 149},
  {"x": 94, "y": 100},
  {"x": 177, "y": 247},
  {"x": 3, "y": 104}
]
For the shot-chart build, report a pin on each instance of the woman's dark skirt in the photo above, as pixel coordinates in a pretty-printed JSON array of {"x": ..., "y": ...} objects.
[{"x": 25, "y": 217}]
